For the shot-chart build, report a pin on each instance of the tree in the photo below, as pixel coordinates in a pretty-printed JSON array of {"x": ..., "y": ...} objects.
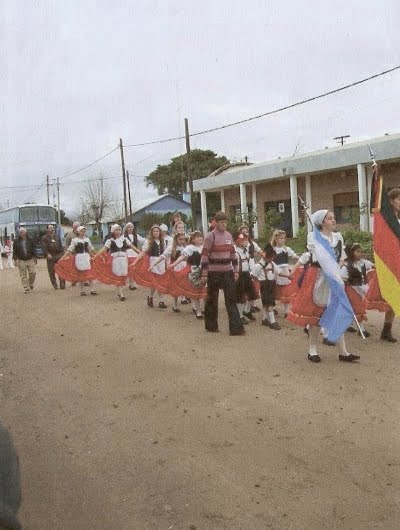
[
  {"x": 172, "y": 178},
  {"x": 96, "y": 199}
]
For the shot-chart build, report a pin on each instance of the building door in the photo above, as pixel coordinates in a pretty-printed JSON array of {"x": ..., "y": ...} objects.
[{"x": 279, "y": 213}]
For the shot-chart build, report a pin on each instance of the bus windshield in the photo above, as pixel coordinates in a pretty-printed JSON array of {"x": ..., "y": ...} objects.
[{"x": 37, "y": 213}]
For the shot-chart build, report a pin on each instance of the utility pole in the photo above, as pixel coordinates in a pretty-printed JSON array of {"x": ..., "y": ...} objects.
[
  {"x": 341, "y": 139},
  {"x": 58, "y": 201},
  {"x": 54, "y": 192},
  {"x": 48, "y": 190},
  {"x": 129, "y": 195},
  {"x": 189, "y": 174},
  {"x": 123, "y": 179}
]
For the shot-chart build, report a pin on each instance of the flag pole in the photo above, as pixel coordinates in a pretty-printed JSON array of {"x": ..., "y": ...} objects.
[{"x": 304, "y": 207}]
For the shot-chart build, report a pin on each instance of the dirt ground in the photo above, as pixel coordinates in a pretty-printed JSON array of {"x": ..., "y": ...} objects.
[{"x": 126, "y": 417}]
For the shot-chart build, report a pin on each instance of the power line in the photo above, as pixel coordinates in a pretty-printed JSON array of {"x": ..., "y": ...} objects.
[
  {"x": 271, "y": 112},
  {"x": 89, "y": 165}
]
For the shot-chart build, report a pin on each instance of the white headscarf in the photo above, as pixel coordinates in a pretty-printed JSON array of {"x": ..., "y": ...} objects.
[
  {"x": 80, "y": 228},
  {"x": 115, "y": 227},
  {"x": 164, "y": 228},
  {"x": 318, "y": 217}
]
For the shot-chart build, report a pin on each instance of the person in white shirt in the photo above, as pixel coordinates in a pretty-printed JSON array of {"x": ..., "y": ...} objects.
[
  {"x": 253, "y": 250},
  {"x": 137, "y": 241},
  {"x": 245, "y": 291},
  {"x": 284, "y": 286}
]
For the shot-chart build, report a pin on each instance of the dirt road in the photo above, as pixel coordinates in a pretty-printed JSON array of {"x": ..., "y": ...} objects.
[{"x": 126, "y": 417}]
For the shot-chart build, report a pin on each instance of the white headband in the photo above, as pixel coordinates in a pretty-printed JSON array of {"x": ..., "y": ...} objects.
[{"x": 318, "y": 217}]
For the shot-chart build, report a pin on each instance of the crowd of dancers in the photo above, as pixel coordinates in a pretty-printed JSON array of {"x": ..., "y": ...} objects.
[{"x": 192, "y": 269}]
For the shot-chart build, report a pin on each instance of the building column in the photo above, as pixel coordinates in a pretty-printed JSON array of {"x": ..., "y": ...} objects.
[
  {"x": 294, "y": 205},
  {"x": 243, "y": 201},
  {"x": 204, "y": 219},
  {"x": 362, "y": 197},
  {"x": 369, "y": 191},
  {"x": 254, "y": 201},
  {"x": 222, "y": 200},
  {"x": 309, "y": 202}
]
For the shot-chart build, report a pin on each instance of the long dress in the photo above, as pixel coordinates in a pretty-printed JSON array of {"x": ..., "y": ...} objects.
[
  {"x": 77, "y": 267},
  {"x": 111, "y": 268}
]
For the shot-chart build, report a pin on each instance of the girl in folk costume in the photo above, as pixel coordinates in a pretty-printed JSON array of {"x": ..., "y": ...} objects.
[
  {"x": 309, "y": 302},
  {"x": 285, "y": 288},
  {"x": 151, "y": 251},
  {"x": 266, "y": 273},
  {"x": 171, "y": 254},
  {"x": 180, "y": 228},
  {"x": 8, "y": 251},
  {"x": 192, "y": 255},
  {"x": 167, "y": 238},
  {"x": 137, "y": 241},
  {"x": 112, "y": 268},
  {"x": 354, "y": 274},
  {"x": 253, "y": 250},
  {"x": 75, "y": 265},
  {"x": 245, "y": 290}
]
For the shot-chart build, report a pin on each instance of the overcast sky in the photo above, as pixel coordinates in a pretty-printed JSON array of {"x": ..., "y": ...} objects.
[{"x": 78, "y": 75}]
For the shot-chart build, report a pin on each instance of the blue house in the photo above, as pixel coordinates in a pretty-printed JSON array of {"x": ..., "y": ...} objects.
[{"x": 161, "y": 205}]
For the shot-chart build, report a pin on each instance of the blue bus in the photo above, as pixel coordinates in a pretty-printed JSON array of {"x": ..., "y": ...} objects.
[{"x": 33, "y": 217}]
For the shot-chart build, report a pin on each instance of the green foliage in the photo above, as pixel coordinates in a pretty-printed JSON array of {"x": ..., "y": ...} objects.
[
  {"x": 172, "y": 177},
  {"x": 272, "y": 220},
  {"x": 357, "y": 236},
  {"x": 150, "y": 219},
  {"x": 235, "y": 221}
]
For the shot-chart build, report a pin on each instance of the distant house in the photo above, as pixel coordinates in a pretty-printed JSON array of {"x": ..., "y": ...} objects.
[{"x": 159, "y": 205}]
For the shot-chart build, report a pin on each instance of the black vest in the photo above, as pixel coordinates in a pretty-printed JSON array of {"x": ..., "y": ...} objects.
[
  {"x": 281, "y": 258},
  {"x": 194, "y": 259},
  {"x": 81, "y": 247},
  {"x": 114, "y": 247},
  {"x": 156, "y": 250},
  {"x": 357, "y": 277}
]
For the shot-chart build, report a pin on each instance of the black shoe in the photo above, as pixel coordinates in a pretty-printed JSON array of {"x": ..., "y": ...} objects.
[
  {"x": 62, "y": 287},
  {"x": 255, "y": 309},
  {"x": 122, "y": 298},
  {"x": 351, "y": 329},
  {"x": 243, "y": 320},
  {"x": 86, "y": 284},
  {"x": 365, "y": 333},
  {"x": 237, "y": 333},
  {"x": 275, "y": 325},
  {"x": 314, "y": 358},
  {"x": 162, "y": 305},
  {"x": 349, "y": 358},
  {"x": 176, "y": 310},
  {"x": 150, "y": 301},
  {"x": 93, "y": 293},
  {"x": 265, "y": 322},
  {"x": 83, "y": 293},
  {"x": 132, "y": 288},
  {"x": 388, "y": 338},
  {"x": 250, "y": 316},
  {"x": 328, "y": 342}
]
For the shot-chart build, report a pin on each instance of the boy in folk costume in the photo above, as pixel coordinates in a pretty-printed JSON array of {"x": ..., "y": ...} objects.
[
  {"x": 311, "y": 300},
  {"x": 171, "y": 254},
  {"x": 253, "y": 250},
  {"x": 266, "y": 273},
  {"x": 245, "y": 290},
  {"x": 151, "y": 251},
  {"x": 116, "y": 271}
]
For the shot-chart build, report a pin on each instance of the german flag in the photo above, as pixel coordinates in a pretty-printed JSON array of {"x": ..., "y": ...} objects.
[{"x": 386, "y": 243}]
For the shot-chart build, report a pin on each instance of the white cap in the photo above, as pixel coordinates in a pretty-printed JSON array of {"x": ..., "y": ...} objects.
[
  {"x": 164, "y": 228},
  {"x": 318, "y": 217}
]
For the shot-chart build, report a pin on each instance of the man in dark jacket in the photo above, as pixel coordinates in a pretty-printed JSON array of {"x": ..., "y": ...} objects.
[
  {"x": 53, "y": 251},
  {"x": 10, "y": 489},
  {"x": 25, "y": 258}
]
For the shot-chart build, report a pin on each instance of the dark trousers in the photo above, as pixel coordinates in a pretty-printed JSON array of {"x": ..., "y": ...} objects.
[
  {"x": 215, "y": 282},
  {"x": 52, "y": 274}
]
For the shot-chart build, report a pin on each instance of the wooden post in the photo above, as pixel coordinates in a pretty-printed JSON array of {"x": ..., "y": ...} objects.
[
  {"x": 129, "y": 195},
  {"x": 189, "y": 174},
  {"x": 123, "y": 179}
]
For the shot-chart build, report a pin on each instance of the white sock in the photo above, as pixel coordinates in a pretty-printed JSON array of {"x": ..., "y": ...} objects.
[
  {"x": 240, "y": 308},
  {"x": 342, "y": 346},
  {"x": 271, "y": 316},
  {"x": 312, "y": 341},
  {"x": 265, "y": 314},
  {"x": 174, "y": 303}
]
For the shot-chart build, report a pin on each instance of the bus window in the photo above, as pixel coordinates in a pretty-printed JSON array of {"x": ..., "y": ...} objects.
[
  {"x": 47, "y": 213},
  {"x": 28, "y": 213}
]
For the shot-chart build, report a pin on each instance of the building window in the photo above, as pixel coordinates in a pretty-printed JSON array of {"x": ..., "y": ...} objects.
[{"x": 346, "y": 208}]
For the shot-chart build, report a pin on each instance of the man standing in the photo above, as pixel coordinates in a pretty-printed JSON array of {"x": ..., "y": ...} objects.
[
  {"x": 219, "y": 267},
  {"x": 53, "y": 251},
  {"x": 70, "y": 236},
  {"x": 25, "y": 259}
]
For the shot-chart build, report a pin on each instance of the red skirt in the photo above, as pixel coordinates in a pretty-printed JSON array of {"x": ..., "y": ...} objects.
[
  {"x": 161, "y": 282},
  {"x": 374, "y": 298},
  {"x": 358, "y": 303},
  {"x": 180, "y": 285},
  {"x": 65, "y": 268},
  {"x": 140, "y": 274},
  {"x": 284, "y": 293},
  {"x": 304, "y": 310},
  {"x": 102, "y": 266}
]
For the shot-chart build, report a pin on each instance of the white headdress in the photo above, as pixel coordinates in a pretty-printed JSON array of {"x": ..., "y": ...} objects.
[{"x": 318, "y": 217}]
